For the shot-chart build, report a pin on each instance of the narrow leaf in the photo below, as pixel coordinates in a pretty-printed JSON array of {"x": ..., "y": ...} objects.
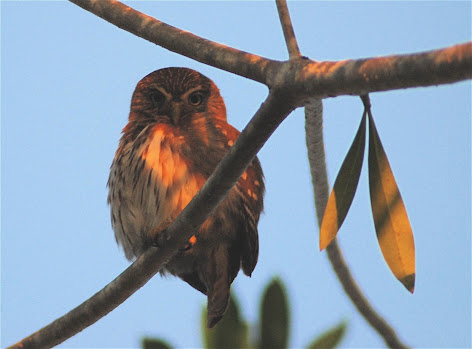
[
  {"x": 331, "y": 338},
  {"x": 274, "y": 316},
  {"x": 230, "y": 332},
  {"x": 154, "y": 343},
  {"x": 393, "y": 228},
  {"x": 345, "y": 187}
]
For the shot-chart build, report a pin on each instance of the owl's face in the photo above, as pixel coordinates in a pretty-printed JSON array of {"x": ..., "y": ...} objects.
[{"x": 179, "y": 97}]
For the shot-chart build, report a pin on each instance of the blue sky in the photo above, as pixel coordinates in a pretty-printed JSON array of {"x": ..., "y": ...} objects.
[{"x": 67, "y": 79}]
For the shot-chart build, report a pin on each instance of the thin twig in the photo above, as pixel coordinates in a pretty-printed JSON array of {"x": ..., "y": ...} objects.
[
  {"x": 316, "y": 154},
  {"x": 316, "y": 157},
  {"x": 269, "y": 116},
  {"x": 289, "y": 33},
  {"x": 357, "y": 297}
]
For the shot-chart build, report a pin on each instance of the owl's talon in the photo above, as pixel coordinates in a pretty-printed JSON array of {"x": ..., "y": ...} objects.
[
  {"x": 159, "y": 239},
  {"x": 155, "y": 243},
  {"x": 186, "y": 248}
]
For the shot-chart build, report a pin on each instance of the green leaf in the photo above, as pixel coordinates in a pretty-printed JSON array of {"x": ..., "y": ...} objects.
[
  {"x": 331, "y": 338},
  {"x": 344, "y": 189},
  {"x": 230, "y": 332},
  {"x": 154, "y": 343},
  {"x": 393, "y": 228},
  {"x": 274, "y": 316}
]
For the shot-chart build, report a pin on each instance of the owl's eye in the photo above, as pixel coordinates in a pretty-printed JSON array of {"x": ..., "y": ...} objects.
[
  {"x": 195, "y": 98},
  {"x": 157, "y": 98}
]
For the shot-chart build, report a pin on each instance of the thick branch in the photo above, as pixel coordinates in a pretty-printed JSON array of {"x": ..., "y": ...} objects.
[
  {"x": 180, "y": 41},
  {"x": 361, "y": 76},
  {"x": 269, "y": 116},
  {"x": 289, "y": 33},
  {"x": 316, "y": 158}
]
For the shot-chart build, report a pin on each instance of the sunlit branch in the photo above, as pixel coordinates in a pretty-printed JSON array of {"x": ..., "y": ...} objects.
[
  {"x": 361, "y": 76},
  {"x": 269, "y": 116},
  {"x": 289, "y": 33},
  {"x": 306, "y": 77},
  {"x": 180, "y": 41}
]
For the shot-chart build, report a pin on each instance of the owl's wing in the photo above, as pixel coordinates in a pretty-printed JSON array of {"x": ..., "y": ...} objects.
[{"x": 250, "y": 191}]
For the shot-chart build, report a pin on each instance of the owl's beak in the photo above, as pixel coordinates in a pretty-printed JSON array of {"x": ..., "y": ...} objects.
[{"x": 175, "y": 113}]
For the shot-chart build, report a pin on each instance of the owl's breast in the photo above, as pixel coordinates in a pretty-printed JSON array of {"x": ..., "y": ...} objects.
[{"x": 150, "y": 183}]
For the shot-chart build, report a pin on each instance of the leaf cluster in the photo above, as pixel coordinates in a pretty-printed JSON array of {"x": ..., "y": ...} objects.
[
  {"x": 272, "y": 330},
  {"x": 392, "y": 225}
]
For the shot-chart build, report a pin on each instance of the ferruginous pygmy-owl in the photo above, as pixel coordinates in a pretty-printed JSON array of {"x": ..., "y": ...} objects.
[{"x": 176, "y": 135}]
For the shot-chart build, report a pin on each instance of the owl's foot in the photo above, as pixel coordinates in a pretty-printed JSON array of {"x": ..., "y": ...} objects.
[
  {"x": 159, "y": 240},
  {"x": 159, "y": 235}
]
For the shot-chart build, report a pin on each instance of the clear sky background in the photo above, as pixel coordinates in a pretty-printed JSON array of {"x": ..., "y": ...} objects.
[{"x": 67, "y": 79}]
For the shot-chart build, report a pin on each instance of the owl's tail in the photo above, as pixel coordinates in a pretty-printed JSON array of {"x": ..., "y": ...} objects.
[
  {"x": 217, "y": 304},
  {"x": 220, "y": 273}
]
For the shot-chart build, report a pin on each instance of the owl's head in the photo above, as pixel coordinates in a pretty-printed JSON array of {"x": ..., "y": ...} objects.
[{"x": 176, "y": 96}]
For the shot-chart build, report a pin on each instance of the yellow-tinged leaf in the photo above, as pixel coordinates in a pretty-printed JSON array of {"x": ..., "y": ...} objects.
[
  {"x": 344, "y": 188},
  {"x": 393, "y": 228}
]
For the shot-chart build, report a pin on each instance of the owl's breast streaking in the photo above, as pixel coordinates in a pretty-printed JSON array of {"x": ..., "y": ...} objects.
[{"x": 161, "y": 185}]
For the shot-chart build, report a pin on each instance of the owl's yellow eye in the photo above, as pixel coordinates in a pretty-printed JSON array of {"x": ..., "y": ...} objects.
[
  {"x": 157, "y": 98},
  {"x": 195, "y": 98}
]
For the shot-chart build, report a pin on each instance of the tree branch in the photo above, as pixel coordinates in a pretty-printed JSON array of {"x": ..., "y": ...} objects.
[
  {"x": 362, "y": 76},
  {"x": 316, "y": 154},
  {"x": 269, "y": 116},
  {"x": 357, "y": 297},
  {"x": 179, "y": 41},
  {"x": 304, "y": 76},
  {"x": 289, "y": 33}
]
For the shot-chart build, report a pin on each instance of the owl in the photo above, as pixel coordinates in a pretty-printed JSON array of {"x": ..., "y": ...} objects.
[{"x": 176, "y": 135}]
